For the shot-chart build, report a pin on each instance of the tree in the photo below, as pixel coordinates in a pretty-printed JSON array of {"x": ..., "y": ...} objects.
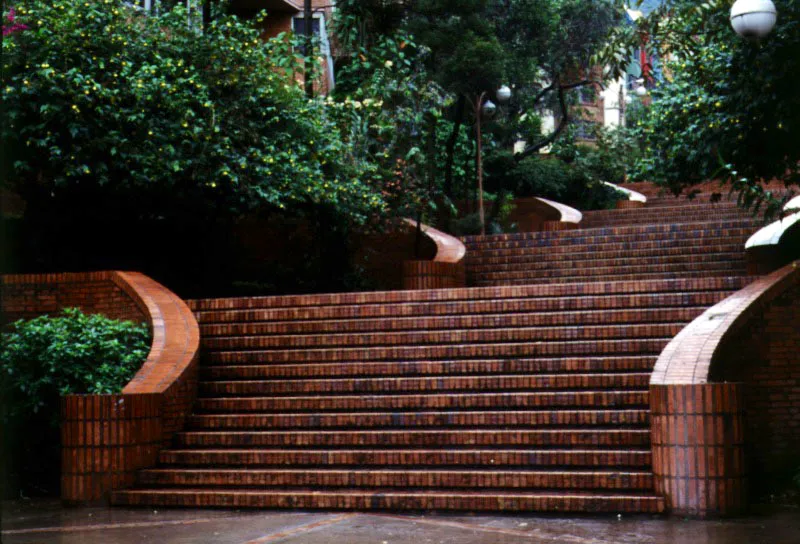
[
  {"x": 141, "y": 116},
  {"x": 728, "y": 108},
  {"x": 542, "y": 48}
]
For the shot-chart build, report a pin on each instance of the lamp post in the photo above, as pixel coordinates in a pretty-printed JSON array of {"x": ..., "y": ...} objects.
[
  {"x": 488, "y": 108},
  {"x": 753, "y": 19}
]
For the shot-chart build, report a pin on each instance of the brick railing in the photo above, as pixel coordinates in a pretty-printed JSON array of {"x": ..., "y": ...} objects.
[
  {"x": 107, "y": 438},
  {"x": 539, "y": 214},
  {"x": 699, "y": 388},
  {"x": 445, "y": 271}
]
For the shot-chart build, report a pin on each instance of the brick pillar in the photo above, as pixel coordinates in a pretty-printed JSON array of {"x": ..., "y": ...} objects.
[{"x": 697, "y": 434}]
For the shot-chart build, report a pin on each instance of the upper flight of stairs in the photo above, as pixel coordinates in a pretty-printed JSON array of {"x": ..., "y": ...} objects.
[{"x": 527, "y": 394}]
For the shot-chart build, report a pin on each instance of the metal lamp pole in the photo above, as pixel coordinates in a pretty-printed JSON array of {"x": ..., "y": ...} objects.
[{"x": 479, "y": 160}]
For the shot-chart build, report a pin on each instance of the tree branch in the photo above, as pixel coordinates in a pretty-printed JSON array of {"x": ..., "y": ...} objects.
[{"x": 562, "y": 101}]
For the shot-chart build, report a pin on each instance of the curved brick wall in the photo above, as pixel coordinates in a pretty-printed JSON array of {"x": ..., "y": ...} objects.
[
  {"x": 106, "y": 438},
  {"x": 444, "y": 271},
  {"x": 743, "y": 352}
]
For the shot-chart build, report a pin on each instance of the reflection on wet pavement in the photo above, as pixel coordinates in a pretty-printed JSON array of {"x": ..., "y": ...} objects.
[{"x": 29, "y": 522}]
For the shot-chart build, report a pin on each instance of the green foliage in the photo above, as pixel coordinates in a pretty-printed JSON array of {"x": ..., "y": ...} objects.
[
  {"x": 395, "y": 114},
  {"x": 574, "y": 184},
  {"x": 72, "y": 353},
  {"x": 728, "y": 109},
  {"x": 104, "y": 101}
]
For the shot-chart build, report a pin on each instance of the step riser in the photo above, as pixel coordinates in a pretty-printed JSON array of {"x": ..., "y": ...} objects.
[
  {"x": 550, "y": 349},
  {"x": 493, "y": 383},
  {"x": 410, "y": 438},
  {"x": 616, "y": 277},
  {"x": 628, "y": 233},
  {"x": 486, "y": 321},
  {"x": 423, "y": 419},
  {"x": 531, "y": 307},
  {"x": 439, "y": 368},
  {"x": 440, "y": 401},
  {"x": 600, "y": 262},
  {"x": 444, "y": 337},
  {"x": 427, "y": 479},
  {"x": 548, "y": 251},
  {"x": 394, "y": 298},
  {"x": 677, "y": 246},
  {"x": 546, "y": 258},
  {"x": 726, "y": 267},
  {"x": 390, "y": 501},
  {"x": 397, "y": 458}
]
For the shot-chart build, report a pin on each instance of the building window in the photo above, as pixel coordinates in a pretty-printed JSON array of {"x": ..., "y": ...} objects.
[
  {"x": 585, "y": 129},
  {"x": 299, "y": 28},
  {"x": 587, "y": 94}
]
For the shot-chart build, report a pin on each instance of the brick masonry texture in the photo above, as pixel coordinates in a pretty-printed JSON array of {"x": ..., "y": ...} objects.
[
  {"x": 748, "y": 344},
  {"x": 530, "y": 391},
  {"x": 107, "y": 438}
]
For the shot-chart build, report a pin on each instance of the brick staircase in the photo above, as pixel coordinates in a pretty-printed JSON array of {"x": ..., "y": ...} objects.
[{"x": 527, "y": 394}]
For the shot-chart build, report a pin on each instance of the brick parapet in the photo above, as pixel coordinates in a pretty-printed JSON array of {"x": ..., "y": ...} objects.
[
  {"x": 698, "y": 420},
  {"x": 106, "y": 438}
]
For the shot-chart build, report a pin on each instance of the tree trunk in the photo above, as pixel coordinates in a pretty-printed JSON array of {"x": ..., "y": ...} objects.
[{"x": 451, "y": 145}]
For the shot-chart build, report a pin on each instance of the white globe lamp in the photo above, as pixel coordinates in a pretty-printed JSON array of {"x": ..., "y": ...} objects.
[
  {"x": 753, "y": 19},
  {"x": 489, "y": 108},
  {"x": 503, "y": 94}
]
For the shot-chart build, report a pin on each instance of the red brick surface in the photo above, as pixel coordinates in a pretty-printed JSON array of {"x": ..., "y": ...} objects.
[{"x": 107, "y": 438}]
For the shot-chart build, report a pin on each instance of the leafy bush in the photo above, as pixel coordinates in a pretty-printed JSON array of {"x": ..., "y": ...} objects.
[
  {"x": 147, "y": 113},
  {"x": 73, "y": 353},
  {"x": 575, "y": 184}
]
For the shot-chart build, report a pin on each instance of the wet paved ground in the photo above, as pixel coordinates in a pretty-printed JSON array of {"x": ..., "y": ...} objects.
[{"x": 29, "y": 522}]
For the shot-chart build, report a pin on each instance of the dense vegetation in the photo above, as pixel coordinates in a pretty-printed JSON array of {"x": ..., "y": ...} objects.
[
  {"x": 728, "y": 108},
  {"x": 46, "y": 357}
]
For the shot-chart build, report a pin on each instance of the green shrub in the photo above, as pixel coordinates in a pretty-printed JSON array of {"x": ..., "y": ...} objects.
[
  {"x": 576, "y": 183},
  {"x": 73, "y": 353}
]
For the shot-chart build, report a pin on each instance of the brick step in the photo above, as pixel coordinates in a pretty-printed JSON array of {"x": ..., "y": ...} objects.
[
  {"x": 655, "y": 217},
  {"x": 610, "y": 277},
  {"x": 606, "y": 243},
  {"x": 596, "y": 437},
  {"x": 697, "y": 213},
  {"x": 634, "y": 298},
  {"x": 723, "y": 266},
  {"x": 601, "y": 261},
  {"x": 440, "y": 337},
  {"x": 523, "y": 458},
  {"x": 471, "y": 321},
  {"x": 637, "y": 346},
  {"x": 542, "y": 418},
  {"x": 438, "y": 384},
  {"x": 642, "y": 249},
  {"x": 449, "y": 478},
  {"x": 426, "y": 401},
  {"x": 426, "y": 368},
  {"x": 311, "y": 303},
  {"x": 704, "y": 210},
  {"x": 618, "y": 234},
  {"x": 392, "y": 499}
]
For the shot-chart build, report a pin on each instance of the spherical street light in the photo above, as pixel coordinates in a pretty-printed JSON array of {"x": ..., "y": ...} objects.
[
  {"x": 753, "y": 18},
  {"x": 489, "y": 108},
  {"x": 640, "y": 90},
  {"x": 503, "y": 94}
]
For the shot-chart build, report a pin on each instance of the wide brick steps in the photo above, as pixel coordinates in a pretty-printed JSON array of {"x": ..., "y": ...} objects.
[
  {"x": 394, "y": 499},
  {"x": 660, "y": 214},
  {"x": 327, "y": 420},
  {"x": 430, "y": 401},
  {"x": 458, "y": 438},
  {"x": 551, "y": 459},
  {"x": 529, "y": 393},
  {"x": 447, "y": 478},
  {"x": 430, "y": 368},
  {"x": 436, "y": 383}
]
